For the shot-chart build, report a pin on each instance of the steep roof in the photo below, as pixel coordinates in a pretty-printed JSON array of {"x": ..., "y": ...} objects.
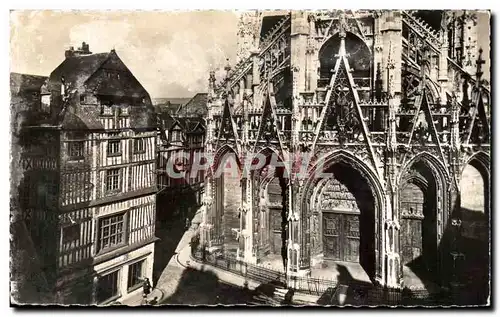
[
  {"x": 187, "y": 124},
  {"x": 167, "y": 108},
  {"x": 24, "y": 103},
  {"x": 86, "y": 73},
  {"x": 195, "y": 107},
  {"x": 24, "y": 82},
  {"x": 190, "y": 124},
  {"x": 173, "y": 101},
  {"x": 77, "y": 69}
]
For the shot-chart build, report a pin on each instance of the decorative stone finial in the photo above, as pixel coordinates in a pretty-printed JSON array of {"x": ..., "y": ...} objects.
[
  {"x": 390, "y": 58},
  {"x": 479, "y": 65},
  {"x": 343, "y": 25},
  {"x": 227, "y": 68}
]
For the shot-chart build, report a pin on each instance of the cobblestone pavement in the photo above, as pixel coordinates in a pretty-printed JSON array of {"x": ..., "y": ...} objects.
[
  {"x": 179, "y": 280},
  {"x": 183, "y": 281},
  {"x": 186, "y": 282}
]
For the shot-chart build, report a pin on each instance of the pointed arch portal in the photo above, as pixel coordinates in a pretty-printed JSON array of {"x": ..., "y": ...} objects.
[
  {"x": 346, "y": 218},
  {"x": 228, "y": 196},
  {"x": 418, "y": 217},
  {"x": 341, "y": 222},
  {"x": 476, "y": 223},
  {"x": 422, "y": 199},
  {"x": 270, "y": 200},
  {"x": 475, "y": 203}
]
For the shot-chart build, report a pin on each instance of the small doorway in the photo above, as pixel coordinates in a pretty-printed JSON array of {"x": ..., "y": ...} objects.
[{"x": 277, "y": 216}]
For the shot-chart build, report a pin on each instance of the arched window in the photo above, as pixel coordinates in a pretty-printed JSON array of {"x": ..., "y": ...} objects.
[{"x": 358, "y": 56}]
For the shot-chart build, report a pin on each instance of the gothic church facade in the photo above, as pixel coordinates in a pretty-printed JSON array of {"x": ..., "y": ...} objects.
[{"x": 395, "y": 109}]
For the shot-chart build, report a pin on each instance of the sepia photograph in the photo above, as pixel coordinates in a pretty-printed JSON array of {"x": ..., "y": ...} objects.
[{"x": 332, "y": 157}]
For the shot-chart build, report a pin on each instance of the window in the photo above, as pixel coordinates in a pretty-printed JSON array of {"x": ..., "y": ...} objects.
[
  {"x": 75, "y": 150},
  {"x": 139, "y": 145},
  {"x": 111, "y": 231},
  {"x": 176, "y": 136},
  {"x": 107, "y": 110},
  {"x": 82, "y": 99},
  {"x": 113, "y": 179},
  {"x": 124, "y": 111},
  {"x": 107, "y": 287},
  {"x": 45, "y": 102},
  {"x": 71, "y": 233},
  {"x": 114, "y": 146},
  {"x": 135, "y": 274}
]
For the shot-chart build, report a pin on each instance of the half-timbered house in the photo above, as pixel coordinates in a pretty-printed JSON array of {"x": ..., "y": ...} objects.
[
  {"x": 88, "y": 189},
  {"x": 180, "y": 147}
]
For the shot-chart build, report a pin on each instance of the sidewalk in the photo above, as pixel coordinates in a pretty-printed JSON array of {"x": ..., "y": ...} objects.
[
  {"x": 169, "y": 279},
  {"x": 180, "y": 262},
  {"x": 137, "y": 300},
  {"x": 184, "y": 259}
]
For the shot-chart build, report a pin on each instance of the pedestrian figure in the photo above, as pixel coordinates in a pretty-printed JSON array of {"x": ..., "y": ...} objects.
[
  {"x": 146, "y": 289},
  {"x": 188, "y": 223}
]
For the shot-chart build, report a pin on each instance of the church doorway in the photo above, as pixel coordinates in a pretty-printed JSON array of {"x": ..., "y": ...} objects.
[
  {"x": 474, "y": 237},
  {"x": 273, "y": 220},
  {"x": 228, "y": 197},
  {"x": 418, "y": 234},
  {"x": 275, "y": 203},
  {"x": 343, "y": 225}
]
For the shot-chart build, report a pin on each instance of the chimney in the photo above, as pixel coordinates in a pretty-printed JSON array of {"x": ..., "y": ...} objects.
[
  {"x": 70, "y": 52},
  {"x": 83, "y": 50}
]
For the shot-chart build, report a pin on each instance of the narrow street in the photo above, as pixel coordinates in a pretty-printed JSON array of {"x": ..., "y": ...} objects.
[{"x": 189, "y": 285}]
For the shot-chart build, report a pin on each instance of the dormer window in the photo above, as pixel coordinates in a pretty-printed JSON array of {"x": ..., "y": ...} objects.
[
  {"x": 124, "y": 111},
  {"x": 107, "y": 110},
  {"x": 176, "y": 136}
]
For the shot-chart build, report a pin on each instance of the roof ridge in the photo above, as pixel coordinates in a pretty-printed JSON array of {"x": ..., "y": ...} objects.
[
  {"x": 88, "y": 55},
  {"x": 25, "y": 74}
]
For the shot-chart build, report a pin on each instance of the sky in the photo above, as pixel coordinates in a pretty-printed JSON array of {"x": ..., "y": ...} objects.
[{"x": 170, "y": 53}]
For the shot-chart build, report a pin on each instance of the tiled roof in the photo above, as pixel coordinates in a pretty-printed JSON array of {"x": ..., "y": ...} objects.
[
  {"x": 187, "y": 124},
  {"x": 84, "y": 73},
  {"x": 190, "y": 124},
  {"x": 195, "y": 107},
  {"x": 24, "y": 82},
  {"x": 167, "y": 108},
  {"x": 78, "y": 69},
  {"x": 173, "y": 101}
]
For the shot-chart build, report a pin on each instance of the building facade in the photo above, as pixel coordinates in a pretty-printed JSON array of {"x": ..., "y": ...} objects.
[
  {"x": 28, "y": 282},
  {"x": 393, "y": 109},
  {"x": 88, "y": 189},
  {"x": 180, "y": 145}
]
